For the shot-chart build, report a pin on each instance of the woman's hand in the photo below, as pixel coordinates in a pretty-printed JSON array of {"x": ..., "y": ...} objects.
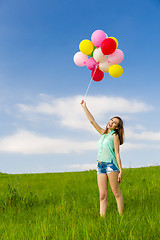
[
  {"x": 120, "y": 177},
  {"x": 83, "y": 103}
]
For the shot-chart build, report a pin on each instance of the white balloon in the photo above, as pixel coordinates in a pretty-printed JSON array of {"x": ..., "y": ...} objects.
[
  {"x": 104, "y": 66},
  {"x": 98, "y": 55}
]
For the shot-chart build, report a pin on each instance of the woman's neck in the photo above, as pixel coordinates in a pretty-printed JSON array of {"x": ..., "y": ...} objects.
[{"x": 108, "y": 130}]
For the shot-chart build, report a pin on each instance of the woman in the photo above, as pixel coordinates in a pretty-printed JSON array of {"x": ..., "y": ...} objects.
[{"x": 109, "y": 163}]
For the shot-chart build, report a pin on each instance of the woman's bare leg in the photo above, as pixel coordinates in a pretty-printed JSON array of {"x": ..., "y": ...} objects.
[
  {"x": 115, "y": 186},
  {"x": 102, "y": 180}
]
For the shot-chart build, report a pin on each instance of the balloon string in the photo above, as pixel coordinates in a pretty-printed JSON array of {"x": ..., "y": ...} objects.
[
  {"x": 90, "y": 81},
  {"x": 87, "y": 89}
]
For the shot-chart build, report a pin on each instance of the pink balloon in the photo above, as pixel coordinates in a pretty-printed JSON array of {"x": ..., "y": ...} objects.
[
  {"x": 116, "y": 57},
  {"x": 91, "y": 64},
  {"x": 80, "y": 59},
  {"x": 97, "y": 37}
]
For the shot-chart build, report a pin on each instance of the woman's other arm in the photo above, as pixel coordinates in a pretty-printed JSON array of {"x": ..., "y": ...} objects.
[{"x": 116, "y": 147}]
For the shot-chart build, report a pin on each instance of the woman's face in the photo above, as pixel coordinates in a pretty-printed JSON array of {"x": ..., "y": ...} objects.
[{"x": 113, "y": 123}]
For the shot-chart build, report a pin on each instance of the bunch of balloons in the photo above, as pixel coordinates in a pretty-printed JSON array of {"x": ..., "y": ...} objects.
[{"x": 100, "y": 55}]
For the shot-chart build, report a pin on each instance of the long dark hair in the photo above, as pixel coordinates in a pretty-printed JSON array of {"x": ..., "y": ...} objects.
[{"x": 119, "y": 131}]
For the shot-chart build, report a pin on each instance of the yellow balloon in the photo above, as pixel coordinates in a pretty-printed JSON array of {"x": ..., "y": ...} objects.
[
  {"x": 86, "y": 46},
  {"x": 115, "y": 39},
  {"x": 115, "y": 71}
]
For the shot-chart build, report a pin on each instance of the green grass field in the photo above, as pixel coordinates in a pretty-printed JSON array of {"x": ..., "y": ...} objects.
[{"x": 66, "y": 206}]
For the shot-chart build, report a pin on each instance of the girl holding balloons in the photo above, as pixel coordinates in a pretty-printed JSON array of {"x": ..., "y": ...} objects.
[
  {"x": 100, "y": 55},
  {"x": 109, "y": 163}
]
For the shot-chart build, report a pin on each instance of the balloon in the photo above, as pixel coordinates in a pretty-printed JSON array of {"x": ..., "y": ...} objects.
[
  {"x": 115, "y": 39},
  {"x": 98, "y": 55},
  {"x": 116, "y": 57},
  {"x": 86, "y": 46},
  {"x": 115, "y": 71},
  {"x": 97, "y": 75},
  {"x": 97, "y": 37},
  {"x": 108, "y": 46},
  {"x": 80, "y": 59},
  {"x": 104, "y": 66},
  {"x": 91, "y": 64}
]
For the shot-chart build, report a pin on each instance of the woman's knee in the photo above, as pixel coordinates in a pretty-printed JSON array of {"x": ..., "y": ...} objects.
[
  {"x": 117, "y": 194},
  {"x": 103, "y": 196}
]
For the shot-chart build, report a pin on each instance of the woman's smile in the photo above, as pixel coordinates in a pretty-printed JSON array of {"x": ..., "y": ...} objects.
[{"x": 113, "y": 123}]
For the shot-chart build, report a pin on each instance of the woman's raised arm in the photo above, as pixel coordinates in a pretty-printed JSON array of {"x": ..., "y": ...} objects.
[{"x": 91, "y": 118}]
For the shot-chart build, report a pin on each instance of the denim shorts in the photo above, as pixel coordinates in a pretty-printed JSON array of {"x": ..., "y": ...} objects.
[{"x": 104, "y": 167}]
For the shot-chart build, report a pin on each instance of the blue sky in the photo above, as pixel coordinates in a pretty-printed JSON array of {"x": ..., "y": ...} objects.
[{"x": 42, "y": 125}]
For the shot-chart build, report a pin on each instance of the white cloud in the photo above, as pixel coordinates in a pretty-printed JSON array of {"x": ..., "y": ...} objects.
[
  {"x": 25, "y": 142},
  {"x": 129, "y": 146},
  {"x": 145, "y": 135},
  {"x": 70, "y": 113}
]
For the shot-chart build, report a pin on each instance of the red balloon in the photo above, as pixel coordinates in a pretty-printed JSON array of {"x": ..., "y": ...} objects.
[
  {"x": 108, "y": 46},
  {"x": 97, "y": 75}
]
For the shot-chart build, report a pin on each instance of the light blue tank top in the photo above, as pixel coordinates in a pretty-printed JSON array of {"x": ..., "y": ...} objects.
[{"x": 106, "y": 152}]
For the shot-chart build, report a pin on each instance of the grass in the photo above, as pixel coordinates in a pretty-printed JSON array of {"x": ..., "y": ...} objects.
[{"x": 66, "y": 206}]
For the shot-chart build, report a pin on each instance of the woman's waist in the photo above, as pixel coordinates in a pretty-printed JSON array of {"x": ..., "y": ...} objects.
[{"x": 110, "y": 159}]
